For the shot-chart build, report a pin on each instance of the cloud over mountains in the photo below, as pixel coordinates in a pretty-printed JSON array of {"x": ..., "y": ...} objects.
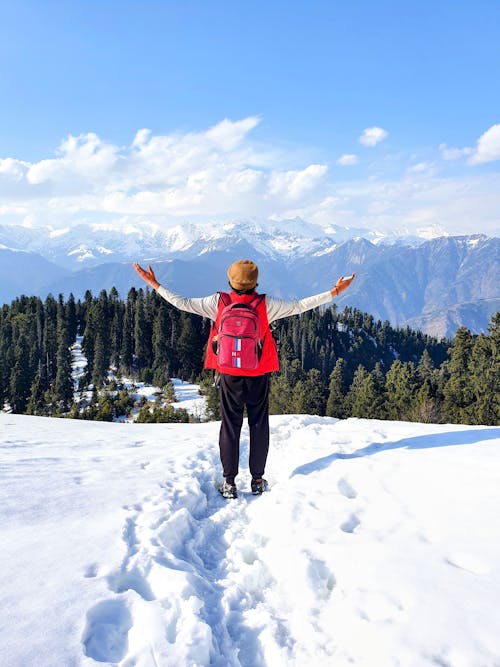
[{"x": 225, "y": 171}]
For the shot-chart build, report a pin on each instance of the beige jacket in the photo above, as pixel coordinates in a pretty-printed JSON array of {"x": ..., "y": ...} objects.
[{"x": 276, "y": 308}]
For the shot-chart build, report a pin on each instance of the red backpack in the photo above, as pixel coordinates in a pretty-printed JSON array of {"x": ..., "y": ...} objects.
[{"x": 238, "y": 342}]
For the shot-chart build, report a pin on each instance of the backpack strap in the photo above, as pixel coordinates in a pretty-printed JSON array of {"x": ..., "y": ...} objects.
[
  {"x": 257, "y": 300},
  {"x": 225, "y": 298}
]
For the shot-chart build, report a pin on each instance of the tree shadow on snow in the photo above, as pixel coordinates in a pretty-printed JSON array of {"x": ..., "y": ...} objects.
[{"x": 428, "y": 441}]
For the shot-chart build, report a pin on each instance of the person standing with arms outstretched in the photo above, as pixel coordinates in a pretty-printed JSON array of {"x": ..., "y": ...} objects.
[{"x": 244, "y": 377}]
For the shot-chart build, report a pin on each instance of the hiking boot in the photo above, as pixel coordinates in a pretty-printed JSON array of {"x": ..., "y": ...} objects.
[
  {"x": 228, "y": 491},
  {"x": 258, "y": 486}
]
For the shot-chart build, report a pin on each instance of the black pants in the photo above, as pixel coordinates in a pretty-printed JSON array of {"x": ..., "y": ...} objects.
[{"x": 236, "y": 391}]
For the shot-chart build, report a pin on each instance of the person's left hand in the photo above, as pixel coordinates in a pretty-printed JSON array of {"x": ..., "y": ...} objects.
[
  {"x": 148, "y": 276},
  {"x": 342, "y": 284}
]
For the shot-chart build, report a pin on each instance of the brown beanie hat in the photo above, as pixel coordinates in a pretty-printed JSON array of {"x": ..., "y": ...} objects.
[{"x": 243, "y": 274}]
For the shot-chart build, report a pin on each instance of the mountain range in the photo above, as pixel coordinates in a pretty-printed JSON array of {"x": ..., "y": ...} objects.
[{"x": 435, "y": 285}]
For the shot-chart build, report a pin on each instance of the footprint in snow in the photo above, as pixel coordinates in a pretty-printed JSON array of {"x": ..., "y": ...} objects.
[
  {"x": 346, "y": 489},
  {"x": 321, "y": 578},
  {"x": 351, "y": 524},
  {"x": 129, "y": 537},
  {"x": 91, "y": 571},
  {"x": 131, "y": 581},
  {"x": 105, "y": 638}
]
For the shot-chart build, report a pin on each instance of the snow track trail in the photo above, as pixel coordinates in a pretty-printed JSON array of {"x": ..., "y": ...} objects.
[{"x": 180, "y": 547}]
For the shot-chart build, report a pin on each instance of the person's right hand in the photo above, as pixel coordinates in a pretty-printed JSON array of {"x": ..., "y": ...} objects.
[{"x": 148, "y": 276}]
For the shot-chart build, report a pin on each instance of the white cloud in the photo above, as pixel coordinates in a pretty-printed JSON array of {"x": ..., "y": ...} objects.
[
  {"x": 228, "y": 134},
  {"x": 371, "y": 136},
  {"x": 221, "y": 173},
  {"x": 454, "y": 153},
  {"x": 295, "y": 184},
  {"x": 217, "y": 172},
  {"x": 13, "y": 169},
  {"x": 81, "y": 160},
  {"x": 421, "y": 167},
  {"x": 141, "y": 138},
  {"x": 488, "y": 146},
  {"x": 465, "y": 205},
  {"x": 347, "y": 160}
]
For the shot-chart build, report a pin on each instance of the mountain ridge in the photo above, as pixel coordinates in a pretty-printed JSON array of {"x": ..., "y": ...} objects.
[{"x": 436, "y": 285}]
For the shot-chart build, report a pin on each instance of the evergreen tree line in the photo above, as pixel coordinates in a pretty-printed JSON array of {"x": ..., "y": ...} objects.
[
  {"x": 380, "y": 372},
  {"x": 143, "y": 338},
  {"x": 334, "y": 363},
  {"x": 385, "y": 373}
]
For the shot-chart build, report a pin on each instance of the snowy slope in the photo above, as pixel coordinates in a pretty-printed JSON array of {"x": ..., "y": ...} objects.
[{"x": 378, "y": 545}]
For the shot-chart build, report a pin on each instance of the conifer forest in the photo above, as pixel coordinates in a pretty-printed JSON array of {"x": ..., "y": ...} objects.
[{"x": 334, "y": 363}]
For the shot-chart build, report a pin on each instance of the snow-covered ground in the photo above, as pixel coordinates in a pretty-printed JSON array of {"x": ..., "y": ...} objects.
[
  {"x": 378, "y": 545},
  {"x": 188, "y": 397}
]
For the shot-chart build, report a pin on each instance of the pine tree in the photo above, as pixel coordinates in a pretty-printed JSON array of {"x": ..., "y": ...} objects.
[
  {"x": 20, "y": 378},
  {"x": 425, "y": 368},
  {"x": 142, "y": 341},
  {"x": 355, "y": 399},
  {"x": 189, "y": 348},
  {"x": 71, "y": 319},
  {"x": 2, "y": 382},
  {"x": 36, "y": 403},
  {"x": 458, "y": 393},
  {"x": 63, "y": 386},
  {"x": 316, "y": 393},
  {"x": 427, "y": 405},
  {"x": 211, "y": 392},
  {"x": 401, "y": 387},
  {"x": 127, "y": 347},
  {"x": 96, "y": 340},
  {"x": 299, "y": 403},
  {"x": 280, "y": 395},
  {"x": 49, "y": 343},
  {"x": 335, "y": 406},
  {"x": 294, "y": 372},
  {"x": 116, "y": 312},
  {"x": 379, "y": 408},
  {"x": 485, "y": 377},
  {"x": 161, "y": 365}
]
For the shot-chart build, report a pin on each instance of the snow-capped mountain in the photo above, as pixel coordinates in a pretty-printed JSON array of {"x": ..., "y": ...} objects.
[
  {"x": 437, "y": 284},
  {"x": 83, "y": 246}
]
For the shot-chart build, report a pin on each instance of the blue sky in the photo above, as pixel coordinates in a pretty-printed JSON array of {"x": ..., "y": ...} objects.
[{"x": 291, "y": 87}]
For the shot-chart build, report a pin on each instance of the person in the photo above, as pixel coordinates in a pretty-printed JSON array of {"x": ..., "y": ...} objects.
[{"x": 243, "y": 387}]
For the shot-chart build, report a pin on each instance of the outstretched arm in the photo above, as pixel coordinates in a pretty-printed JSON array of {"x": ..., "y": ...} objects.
[
  {"x": 206, "y": 306},
  {"x": 276, "y": 309}
]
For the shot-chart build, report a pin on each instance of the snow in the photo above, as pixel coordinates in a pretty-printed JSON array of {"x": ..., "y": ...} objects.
[
  {"x": 55, "y": 233},
  {"x": 78, "y": 361},
  {"x": 378, "y": 544},
  {"x": 326, "y": 251},
  {"x": 4, "y": 247},
  {"x": 188, "y": 397},
  {"x": 104, "y": 251}
]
